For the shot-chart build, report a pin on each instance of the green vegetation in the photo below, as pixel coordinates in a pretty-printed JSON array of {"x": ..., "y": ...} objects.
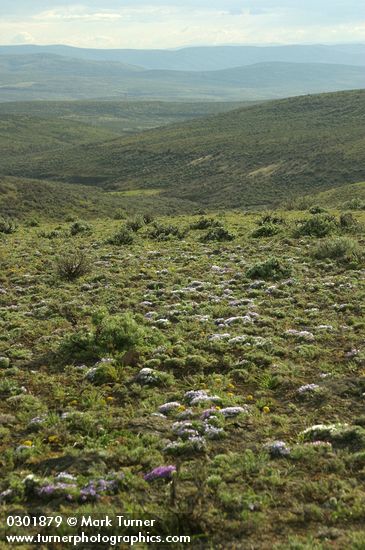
[
  {"x": 250, "y": 351},
  {"x": 163, "y": 357},
  {"x": 252, "y": 157},
  {"x": 122, "y": 117}
]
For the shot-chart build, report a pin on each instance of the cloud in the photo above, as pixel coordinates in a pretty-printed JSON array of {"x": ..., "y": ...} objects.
[
  {"x": 23, "y": 38},
  {"x": 174, "y": 23}
]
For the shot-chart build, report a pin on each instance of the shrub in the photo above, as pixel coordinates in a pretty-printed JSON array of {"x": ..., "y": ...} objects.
[
  {"x": 217, "y": 234},
  {"x": 7, "y": 226},
  {"x": 267, "y": 230},
  {"x": 148, "y": 218},
  {"x": 116, "y": 333},
  {"x": 80, "y": 227},
  {"x": 320, "y": 225},
  {"x": 354, "y": 204},
  {"x": 270, "y": 219},
  {"x": 205, "y": 223},
  {"x": 317, "y": 209},
  {"x": 134, "y": 225},
  {"x": 122, "y": 237},
  {"x": 72, "y": 265},
  {"x": 341, "y": 249},
  {"x": 110, "y": 334},
  {"x": 104, "y": 372},
  {"x": 270, "y": 269},
  {"x": 347, "y": 221},
  {"x": 165, "y": 232}
]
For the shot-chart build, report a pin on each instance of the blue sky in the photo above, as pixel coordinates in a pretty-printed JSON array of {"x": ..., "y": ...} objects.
[{"x": 170, "y": 24}]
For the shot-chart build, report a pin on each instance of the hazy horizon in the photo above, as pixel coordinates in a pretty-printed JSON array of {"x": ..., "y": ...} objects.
[
  {"x": 197, "y": 45},
  {"x": 161, "y": 24}
]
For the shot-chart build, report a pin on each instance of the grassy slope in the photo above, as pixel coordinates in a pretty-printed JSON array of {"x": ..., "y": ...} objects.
[
  {"x": 251, "y": 157},
  {"x": 24, "y": 134},
  {"x": 335, "y": 198},
  {"x": 234, "y": 493},
  {"x": 123, "y": 117},
  {"x": 45, "y": 76},
  {"x": 24, "y": 198}
]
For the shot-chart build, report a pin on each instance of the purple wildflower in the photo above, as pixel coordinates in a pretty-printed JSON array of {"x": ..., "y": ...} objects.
[{"x": 162, "y": 472}]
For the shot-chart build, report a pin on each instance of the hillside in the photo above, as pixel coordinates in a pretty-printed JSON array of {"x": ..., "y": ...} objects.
[
  {"x": 23, "y": 198},
  {"x": 207, "y": 58},
  {"x": 352, "y": 195},
  {"x": 122, "y": 117},
  {"x": 24, "y": 134},
  {"x": 54, "y": 77},
  {"x": 251, "y": 157}
]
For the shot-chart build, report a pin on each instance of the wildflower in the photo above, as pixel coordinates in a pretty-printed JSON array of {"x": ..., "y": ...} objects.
[
  {"x": 230, "y": 412},
  {"x": 278, "y": 449},
  {"x": 162, "y": 472},
  {"x": 65, "y": 476},
  {"x": 27, "y": 443},
  {"x": 147, "y": 376},
  {"x": 301, "y": 334},
  {"x": 308, "y": 388},
  {"x": 110, "y": 399},
  {"x": 168, "y": 407},
  {"x": 53, "y": 439},
  {"x": 319, "y": 444},
  {"x": 212, "y": 432},
  {"x": 250, "y": 397},
  {"x": 217, "y": 337},
  {"x": 37, "y": 420},
  {"x": 323, "y": 431},
  {"x": 209, "y": 412},
  {"x": 194, "y": 397},
  {"x": 266, "y": 410},
  {"x": 184, "y": 429}
]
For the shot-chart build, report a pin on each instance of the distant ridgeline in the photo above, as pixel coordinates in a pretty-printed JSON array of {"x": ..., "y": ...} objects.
[{"x": 234, "y": 73}]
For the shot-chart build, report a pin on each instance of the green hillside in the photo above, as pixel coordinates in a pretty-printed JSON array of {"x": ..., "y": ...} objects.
[
  {"x": 23, "y": 198},
  {"x": 24, "y": 134},
  {"x": 346, "y": 196},
  {"x": 122, "y": 117},
  {"x": 252, "y": 157},
  {"x": 54, "y": 77}
]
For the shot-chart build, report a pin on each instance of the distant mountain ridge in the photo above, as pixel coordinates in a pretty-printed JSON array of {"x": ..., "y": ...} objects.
[
  {"x": 205, "y": 58},
  {"x": 47, "y": 76}
]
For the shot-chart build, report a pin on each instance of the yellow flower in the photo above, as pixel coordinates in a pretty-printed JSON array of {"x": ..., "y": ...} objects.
[
  {"x": 250, "y": 398},
  {"x": 266, "y": 410},
  {"x": 110, "y": 399},
  {"x": 73, "y": 403},
  {"x": 181, "y": 408},
  {"x": 53, "y": 439},
  {"x": 230, "y": 386},
  {"x": 230, "y": 394},
  {"x": 28, "y": 443}
]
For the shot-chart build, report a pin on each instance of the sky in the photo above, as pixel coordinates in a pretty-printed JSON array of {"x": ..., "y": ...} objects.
[{"x": 173, "y": 24}]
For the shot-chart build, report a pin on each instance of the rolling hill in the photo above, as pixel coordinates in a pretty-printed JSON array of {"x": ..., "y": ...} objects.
[
  {"x": 206, "y": 58},
  {"x": 54, "y": 77},
  {"x": 251, "y": 157},
  {"x": 122, "y": 117}
]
